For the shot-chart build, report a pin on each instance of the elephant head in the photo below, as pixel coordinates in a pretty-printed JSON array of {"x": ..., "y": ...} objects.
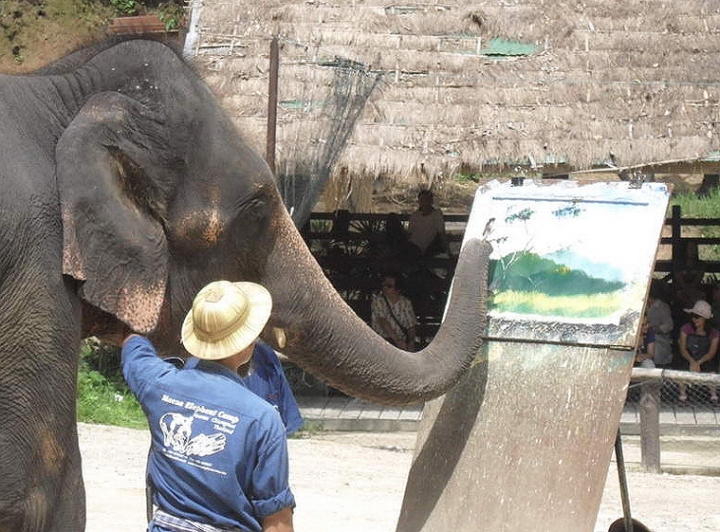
[{"x": 160, "y": 195}]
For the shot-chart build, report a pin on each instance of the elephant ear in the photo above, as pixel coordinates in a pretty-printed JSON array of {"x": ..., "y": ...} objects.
[{"x": 113, "y": 208}]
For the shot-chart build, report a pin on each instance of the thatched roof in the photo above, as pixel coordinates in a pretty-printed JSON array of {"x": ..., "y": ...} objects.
[{"x": 467, "y": 85}]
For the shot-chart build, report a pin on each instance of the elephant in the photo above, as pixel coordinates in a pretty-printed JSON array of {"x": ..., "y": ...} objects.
[{"x": 127, "y": 188}]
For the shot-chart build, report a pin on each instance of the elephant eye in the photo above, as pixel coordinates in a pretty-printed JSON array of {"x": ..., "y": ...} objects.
[
  {"x": 251, "y": 221},
  {"x": 254, "y": 210}
]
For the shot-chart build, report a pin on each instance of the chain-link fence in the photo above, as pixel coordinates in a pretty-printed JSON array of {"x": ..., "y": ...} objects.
[
  {"x": 655, "y": 410},
  {"x": 329, "y": 110}
]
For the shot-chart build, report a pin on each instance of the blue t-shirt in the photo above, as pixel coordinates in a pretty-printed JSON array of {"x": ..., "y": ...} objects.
[
  {"x": 213, "y": 459},
  {"x": 267, "y": 380}
]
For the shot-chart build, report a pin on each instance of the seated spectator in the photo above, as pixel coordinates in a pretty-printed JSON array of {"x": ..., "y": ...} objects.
[
  {"x": 660, "y": 321},
  {"x": 427, "y": 227},
  {"x": 645, "y": 352},
  {"x": 698, "y": 345},
  {"x": 392, "y": 314}
]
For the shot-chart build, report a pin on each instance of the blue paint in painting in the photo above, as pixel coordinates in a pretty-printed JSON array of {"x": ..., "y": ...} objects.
[{"x": 601, "y": 270}]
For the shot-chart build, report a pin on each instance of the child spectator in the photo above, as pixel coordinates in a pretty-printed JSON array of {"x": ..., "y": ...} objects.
[{"x": 645, "y": 354}]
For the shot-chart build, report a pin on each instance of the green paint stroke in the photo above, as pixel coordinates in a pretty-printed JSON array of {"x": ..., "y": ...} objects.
[
  {"x": 525, "y": 283},
  {"x": 578, "y": 306},
  {"x": 528, "y": 272}
]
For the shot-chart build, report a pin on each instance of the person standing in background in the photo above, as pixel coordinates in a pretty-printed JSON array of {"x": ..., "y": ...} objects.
[
  {"x": 645, "y": 353},
  {"x": 427, "y": 227}
]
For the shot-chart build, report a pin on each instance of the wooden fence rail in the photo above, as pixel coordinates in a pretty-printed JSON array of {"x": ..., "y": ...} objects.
[{"x": 679, "y": 243}]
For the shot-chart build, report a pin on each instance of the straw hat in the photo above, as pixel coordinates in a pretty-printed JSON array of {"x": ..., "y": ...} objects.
[
  {"x": 701, "y": 308},
  {"x": 225, "y": 318}
]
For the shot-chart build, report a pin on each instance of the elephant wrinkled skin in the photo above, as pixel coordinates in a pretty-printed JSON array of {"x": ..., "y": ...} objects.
[{"x": 125, "y": 190}]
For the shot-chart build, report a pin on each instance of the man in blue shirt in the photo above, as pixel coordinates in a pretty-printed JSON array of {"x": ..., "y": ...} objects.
[
  {"x": 266, "y": 379},
  {"x": 218, "y": 458}
]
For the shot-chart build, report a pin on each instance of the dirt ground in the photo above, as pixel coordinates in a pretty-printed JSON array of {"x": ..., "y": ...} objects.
[{"x": 354, "y": 482}]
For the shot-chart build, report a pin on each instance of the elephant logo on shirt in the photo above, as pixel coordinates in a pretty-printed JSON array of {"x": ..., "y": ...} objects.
[{"x": 177, "y": 435}]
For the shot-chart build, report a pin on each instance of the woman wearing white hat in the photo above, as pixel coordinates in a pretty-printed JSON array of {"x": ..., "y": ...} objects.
[
  {"x": 698, "y": 344},
  {"x": 215, "y": 463}
]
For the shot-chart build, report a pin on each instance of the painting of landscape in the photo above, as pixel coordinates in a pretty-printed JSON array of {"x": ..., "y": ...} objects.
[
  {"x": 527, "y": 283},
  {"x": 566, "y": 253}
]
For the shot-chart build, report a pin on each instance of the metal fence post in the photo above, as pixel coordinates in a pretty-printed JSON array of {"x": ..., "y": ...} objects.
[{"x": 678, "y": 248}]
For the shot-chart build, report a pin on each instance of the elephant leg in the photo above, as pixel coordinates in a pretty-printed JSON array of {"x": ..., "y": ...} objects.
[{"x": 41, "y": 486}]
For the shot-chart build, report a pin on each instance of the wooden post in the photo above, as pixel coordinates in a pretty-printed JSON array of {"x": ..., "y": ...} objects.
[
  {"x": 272, "y": 103},
  {"x": 650, "y": 426},
  {"x": 678, "y": 251}
]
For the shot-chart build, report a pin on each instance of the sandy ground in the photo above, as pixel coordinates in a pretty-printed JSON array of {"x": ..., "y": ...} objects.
[{"x": 354, "y": 482}]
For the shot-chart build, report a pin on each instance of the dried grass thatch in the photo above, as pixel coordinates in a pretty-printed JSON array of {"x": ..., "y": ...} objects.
[{"x": 631, "y": 81}]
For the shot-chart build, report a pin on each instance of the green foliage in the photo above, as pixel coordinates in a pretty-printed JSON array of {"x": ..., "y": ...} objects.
[
  {"x": 103, "y": 397},
  {"x": 468, "y": 178},
  {"x": 309, "y": 428},
  {"x": 108, "y": 403},
  {"x": 125, "y": 7},
  {"x": 172, "y": 13},
  {"x": 698, "y": 207},
  {"x": 320, "y": 226}
]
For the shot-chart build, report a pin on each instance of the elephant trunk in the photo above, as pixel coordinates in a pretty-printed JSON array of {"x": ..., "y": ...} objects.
[{"x": 325, "y": 337}]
